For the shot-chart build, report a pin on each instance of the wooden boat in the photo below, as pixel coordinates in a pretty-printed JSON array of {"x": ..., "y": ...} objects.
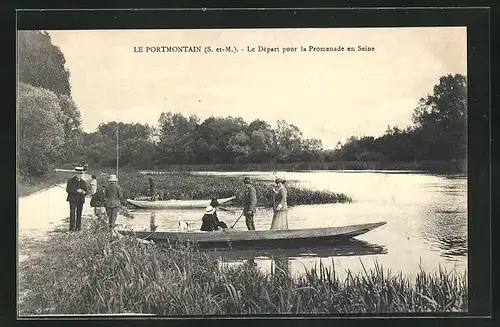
[
  {"x": 176, "y": 204},
  {"x": 235, "y": 238}
]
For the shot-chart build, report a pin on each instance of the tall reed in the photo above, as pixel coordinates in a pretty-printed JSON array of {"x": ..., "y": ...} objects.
[{"x": 186, "y": 186}]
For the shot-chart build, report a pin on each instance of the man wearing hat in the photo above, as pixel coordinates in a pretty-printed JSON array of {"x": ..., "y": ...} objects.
[
  {"x": 114, "y": 199},
  {"x": 76, "y": 189},
  {"x": 249, "y": 203}
]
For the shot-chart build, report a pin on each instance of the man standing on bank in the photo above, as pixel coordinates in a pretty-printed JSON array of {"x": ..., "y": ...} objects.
[
  {"x": 249, "y": 203},
  {"x": 76, "y": 189},
  {"x": 114, "y": 199}
]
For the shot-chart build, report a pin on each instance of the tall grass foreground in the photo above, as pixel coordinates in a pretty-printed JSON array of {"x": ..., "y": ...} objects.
[{"x": 93, "y": 272}]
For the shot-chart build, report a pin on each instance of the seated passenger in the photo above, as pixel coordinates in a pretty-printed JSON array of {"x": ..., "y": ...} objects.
[{"x": 210, "y": 221}]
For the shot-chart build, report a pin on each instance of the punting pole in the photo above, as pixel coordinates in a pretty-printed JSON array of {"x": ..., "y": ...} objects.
[{"x": 117, "y": 150}]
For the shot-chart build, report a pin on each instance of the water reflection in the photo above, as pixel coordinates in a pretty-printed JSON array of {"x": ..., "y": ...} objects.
[
  {"x": 348, "y": 248},
  {"x": 445, "y": 226},
  {"x": 453, "y": 246}
]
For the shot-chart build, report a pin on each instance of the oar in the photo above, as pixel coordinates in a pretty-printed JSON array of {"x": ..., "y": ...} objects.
[{"x": 237, "y": 220}]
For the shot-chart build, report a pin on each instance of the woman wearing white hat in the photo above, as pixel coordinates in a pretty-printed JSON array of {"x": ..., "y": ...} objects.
[
  {"x": 210, "y": 221},
  {"x": 114, "y": 199}
]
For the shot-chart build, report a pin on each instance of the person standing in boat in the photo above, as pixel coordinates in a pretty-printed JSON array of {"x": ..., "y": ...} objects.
[
  {"x": 249, "y": 203},
  {"x": 114, "y": 199},
  {"x": 76, "y": 189},
  {"x": 280, "y": 207}
]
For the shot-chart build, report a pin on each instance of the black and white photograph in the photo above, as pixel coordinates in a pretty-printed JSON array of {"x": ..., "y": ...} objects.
[{"x": 251, "y": 171}]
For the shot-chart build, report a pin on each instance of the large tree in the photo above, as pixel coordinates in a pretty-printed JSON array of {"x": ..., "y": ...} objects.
[
  {"x": 41, "y": 130},
  {"x": 441, "y": 119},
  {"x": 288, "y": 139},
  {"x": 71, "y": 121},
  {"x": 176, "y": 138},
  {"x": 41, "y": 63}
]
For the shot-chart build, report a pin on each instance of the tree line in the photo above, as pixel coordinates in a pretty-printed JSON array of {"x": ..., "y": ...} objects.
[
  {"x": 188, "y": 140},
  {"x": 438, "y": 132},
  {"x": 50, "y": 131}
]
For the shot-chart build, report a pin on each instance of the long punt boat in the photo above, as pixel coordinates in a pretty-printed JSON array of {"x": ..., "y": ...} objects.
[{"x": 235, "y": 238}]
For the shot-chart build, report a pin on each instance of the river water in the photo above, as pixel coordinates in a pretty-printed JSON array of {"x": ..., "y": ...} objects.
[{"x": 426, "y": 219}]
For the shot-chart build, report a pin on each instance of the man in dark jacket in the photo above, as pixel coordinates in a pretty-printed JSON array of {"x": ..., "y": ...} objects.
[
  {"x": 249, "y": 203},
  {"x": 76, "y": 189},
  {"x": 114, "y": 199}
]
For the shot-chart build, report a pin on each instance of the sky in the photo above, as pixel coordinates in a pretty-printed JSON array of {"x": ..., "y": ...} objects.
[{"x": 327, "y": 95}]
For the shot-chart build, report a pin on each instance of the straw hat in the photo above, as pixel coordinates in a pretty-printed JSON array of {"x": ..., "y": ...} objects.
[
  {"x": 209, "y": 210},
  {"x": 112, "y": 178},
  {"x": 79, "y": 169}
]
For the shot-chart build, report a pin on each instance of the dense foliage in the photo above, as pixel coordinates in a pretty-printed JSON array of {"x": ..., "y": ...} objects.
[
  {"x": 48, "y": 120},
  {"x": 92, "y": 272},
  {"x": 181, "y": 140},
  {"x": 48, "y": 129},
  {"x": 41, "y": 64}
]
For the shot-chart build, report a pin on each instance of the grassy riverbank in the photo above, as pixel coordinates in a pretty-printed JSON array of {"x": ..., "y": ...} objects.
[
  {"x": 93, "y": 272},
  {"x": 185, "y": 186}
]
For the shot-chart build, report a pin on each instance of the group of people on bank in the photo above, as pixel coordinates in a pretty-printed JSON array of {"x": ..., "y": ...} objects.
[
  {"x": 211, "y": 222},
  {"x": 106, "y": 200}
]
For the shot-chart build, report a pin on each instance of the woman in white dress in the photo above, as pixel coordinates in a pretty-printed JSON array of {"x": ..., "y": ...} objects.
[{"x": 280, "y": 208}]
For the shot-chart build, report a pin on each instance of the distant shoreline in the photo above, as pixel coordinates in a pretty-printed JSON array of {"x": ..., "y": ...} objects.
[
  {"x": 433, "y": 166},
  {"x": 457, "y": 167}
]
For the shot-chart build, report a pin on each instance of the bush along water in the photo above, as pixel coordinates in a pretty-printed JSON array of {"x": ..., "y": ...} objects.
[
  {"x": 186, "y": 186},
  {"x": 94, "y": 272}
]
